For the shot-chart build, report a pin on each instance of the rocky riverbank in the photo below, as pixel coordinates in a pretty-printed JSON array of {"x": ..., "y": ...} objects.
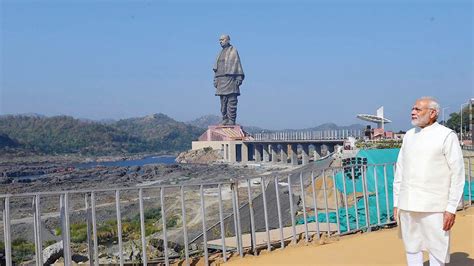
[{"x": 54, "y": 174}]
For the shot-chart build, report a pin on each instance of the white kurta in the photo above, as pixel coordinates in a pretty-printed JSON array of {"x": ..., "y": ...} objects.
[{"x": 429, "y": 179}]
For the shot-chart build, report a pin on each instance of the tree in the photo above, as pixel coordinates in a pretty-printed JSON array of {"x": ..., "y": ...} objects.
[{"x": 454, "y": 121}]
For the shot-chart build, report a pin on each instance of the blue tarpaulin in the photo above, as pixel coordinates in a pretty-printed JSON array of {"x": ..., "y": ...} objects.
[{"x": 378, "y": 188}]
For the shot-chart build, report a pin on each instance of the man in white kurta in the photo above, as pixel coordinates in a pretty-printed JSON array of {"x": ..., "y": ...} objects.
[{"x": 428, "y": 184}]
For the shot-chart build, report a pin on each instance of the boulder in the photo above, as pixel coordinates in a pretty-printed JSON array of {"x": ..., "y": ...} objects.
[{"x": 52, "y": 253}]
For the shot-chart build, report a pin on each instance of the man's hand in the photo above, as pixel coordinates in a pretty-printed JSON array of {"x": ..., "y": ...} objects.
[
  {"x": 448, "y": 220},
  {"x": 395, "y": 213},
  {"x": 239, "y": 82}
]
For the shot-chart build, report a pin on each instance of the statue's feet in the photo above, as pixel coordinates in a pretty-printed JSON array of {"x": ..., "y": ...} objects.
[
  {"x": 231, "y": 122},
  {"x": 224, "y": 122}
]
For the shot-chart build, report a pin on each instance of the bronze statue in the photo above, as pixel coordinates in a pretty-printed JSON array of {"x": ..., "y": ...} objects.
[{"x": 227, "y": 79}]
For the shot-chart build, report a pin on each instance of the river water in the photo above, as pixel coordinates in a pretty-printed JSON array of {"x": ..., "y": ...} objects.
[{"x": 165, "y": 159}]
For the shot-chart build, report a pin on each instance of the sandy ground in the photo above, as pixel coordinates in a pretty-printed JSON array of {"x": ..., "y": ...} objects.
[{"x": 376, "y": 248}]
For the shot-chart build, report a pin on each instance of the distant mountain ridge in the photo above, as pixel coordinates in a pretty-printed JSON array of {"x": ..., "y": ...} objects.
[{"x": 208, "y": 120}]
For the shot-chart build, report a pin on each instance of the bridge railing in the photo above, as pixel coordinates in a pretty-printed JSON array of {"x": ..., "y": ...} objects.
[
  {"x": 237, "y": 216},
  {"x": 308, "y": 135}
]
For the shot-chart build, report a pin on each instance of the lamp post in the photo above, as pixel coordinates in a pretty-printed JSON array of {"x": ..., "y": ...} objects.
[
  {"x": 461, "y": 118},
  {"x": 444, "y": 121}
]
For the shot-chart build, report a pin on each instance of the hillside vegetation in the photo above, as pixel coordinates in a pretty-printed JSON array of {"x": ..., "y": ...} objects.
[{"x": 64, "y": 134}]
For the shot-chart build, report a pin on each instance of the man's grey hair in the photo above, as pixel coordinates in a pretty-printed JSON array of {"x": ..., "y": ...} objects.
[
  {"x": 433, "y": 103},
  {"x": 226, "y": 36}
]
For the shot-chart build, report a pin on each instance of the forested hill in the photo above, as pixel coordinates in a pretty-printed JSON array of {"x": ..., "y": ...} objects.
[
  {"x": 64, "y": 134},
  {"x": 160, "y": 132}
]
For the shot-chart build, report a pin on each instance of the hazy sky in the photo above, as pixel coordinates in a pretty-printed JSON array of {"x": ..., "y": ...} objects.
[{"x": 306, "y": 62}]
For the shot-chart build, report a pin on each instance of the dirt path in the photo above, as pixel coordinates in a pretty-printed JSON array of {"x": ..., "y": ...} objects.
[{"x": 377, "y": 248}]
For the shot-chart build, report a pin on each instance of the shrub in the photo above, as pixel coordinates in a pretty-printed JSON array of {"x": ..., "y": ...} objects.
[{"x": 22, "y": 250}]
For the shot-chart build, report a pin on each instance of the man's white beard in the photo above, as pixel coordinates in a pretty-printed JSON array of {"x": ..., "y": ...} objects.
[{"x": 421, "y": 120}]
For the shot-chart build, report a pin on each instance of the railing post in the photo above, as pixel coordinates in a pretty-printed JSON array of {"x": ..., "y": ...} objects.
[
  {"x": 376, "y": 194},
  {"x": 236, "y": 227},
  {"x": 303, "y": 201},
  {"x": 221, "y": 219},
  {"x": 326, "y": 203},
  {"x": 163, "y": 220},
  {"x": 366, "y": 200},
  {"x": 313, "y": 189},
  {"x": 469, "y": 183},
  {"x": 142, "y": 227},
  {"x": 204, "y": 228},
  {"x": 344, "y": 187},
  {"x": 386, "y": 192},
  {"x": 337, "y": 202},
  {"x": 90, "y": 248},
  {"x": 265, "y": 212},
  {"x": 7, "y": 232},
  {"x": 94, "y": 230},
  {"x": 65, "y": 228},
  {"x": 252, "y": 219},
  {"x": 185, "y": 229},
  {"x": 292, "y": 212},
  {"x": 119, "y": 225},
  {"x": 280, "y": 222},
  {"x": 37, "y": 229},
  {"x": 355, "y": 197}
]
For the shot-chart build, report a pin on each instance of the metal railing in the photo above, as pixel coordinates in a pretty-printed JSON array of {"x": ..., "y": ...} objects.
[
  {"x": 309, "y": 135},
  {"x": 336, "y": 201}
]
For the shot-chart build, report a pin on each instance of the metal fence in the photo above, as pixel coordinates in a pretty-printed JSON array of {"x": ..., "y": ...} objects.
[
  {"x": 236, "y": 216},
  {"x": 309, "y": 135}
]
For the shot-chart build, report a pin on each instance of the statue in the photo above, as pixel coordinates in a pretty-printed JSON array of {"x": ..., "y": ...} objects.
[{"x": 227, "y": 79}]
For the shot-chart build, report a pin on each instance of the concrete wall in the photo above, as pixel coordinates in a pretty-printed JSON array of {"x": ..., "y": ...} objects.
[{"x": 215, "y": 145}]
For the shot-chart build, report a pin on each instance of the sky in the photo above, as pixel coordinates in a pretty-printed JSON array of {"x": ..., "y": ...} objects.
[{"x": 305, "y": 62}]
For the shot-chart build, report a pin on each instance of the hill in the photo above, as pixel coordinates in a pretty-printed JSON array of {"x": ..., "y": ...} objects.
[
  {"x": 65, "y": 134},
  {"x": 205, "y": 121},
  {"x": 332, "y": 126},
  {"x": 160, "y": 132},
  {"x": 7, "y": 142}
]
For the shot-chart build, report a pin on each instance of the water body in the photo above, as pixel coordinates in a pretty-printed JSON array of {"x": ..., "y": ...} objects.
[
  {"x": 139, "y": 162},
  {"x": 166, "y": 159}
]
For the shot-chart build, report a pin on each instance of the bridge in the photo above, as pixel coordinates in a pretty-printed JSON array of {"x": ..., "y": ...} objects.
[{"x": 287, "y": 146}]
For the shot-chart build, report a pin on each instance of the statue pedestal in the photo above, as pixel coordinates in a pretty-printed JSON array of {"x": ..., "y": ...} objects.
[{"x": 227, "y": 138}]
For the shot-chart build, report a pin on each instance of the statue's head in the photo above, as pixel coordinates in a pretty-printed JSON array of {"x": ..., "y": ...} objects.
[{"x": 224, "y": 40}]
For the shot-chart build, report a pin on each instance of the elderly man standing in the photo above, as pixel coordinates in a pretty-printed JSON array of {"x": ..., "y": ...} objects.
[
  {"x": 428, "y": 184},
  {"x": 228, "y": 76}
]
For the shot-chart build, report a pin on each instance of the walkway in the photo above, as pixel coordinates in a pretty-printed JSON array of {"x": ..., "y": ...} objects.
[{"x": 376, "y": 248}]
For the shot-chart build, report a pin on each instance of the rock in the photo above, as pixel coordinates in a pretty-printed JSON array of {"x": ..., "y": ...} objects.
[
  {"x": 77, "y": 258},
  {"x": 205, "y": 156},
  {"x": 5, "y": 180},
  {"x": 132, "y": 251},
  {"x": 2, "y": 258},
  {"x": 52, "y": 253}
]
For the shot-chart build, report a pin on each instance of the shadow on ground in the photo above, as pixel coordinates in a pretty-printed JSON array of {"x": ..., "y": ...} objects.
[{"x": 457, "y": 259}]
